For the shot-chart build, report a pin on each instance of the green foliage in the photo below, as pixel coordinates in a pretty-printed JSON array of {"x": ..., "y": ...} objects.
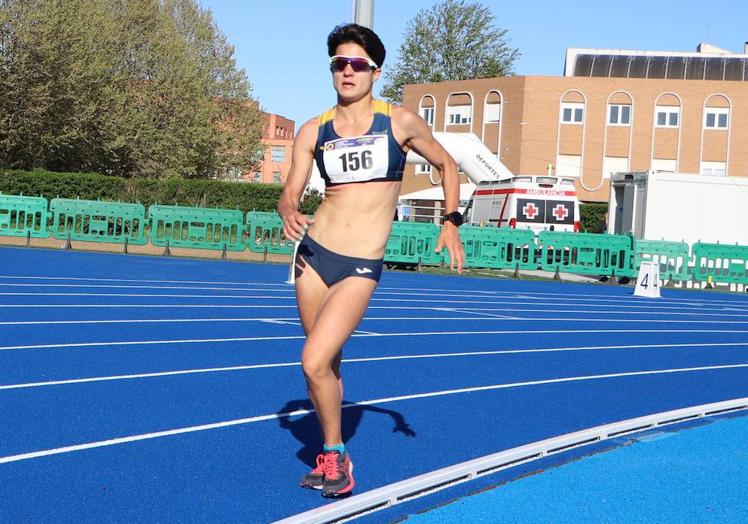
[
  {"x": 144, "y": 88},
  {"x": 200, "y": 193},
  {"x": 454, "y": 40},
  {"x": 592, "y": 218}
]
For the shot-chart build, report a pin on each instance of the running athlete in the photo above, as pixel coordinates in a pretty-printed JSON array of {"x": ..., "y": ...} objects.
[{"x": 359, "y": 147}]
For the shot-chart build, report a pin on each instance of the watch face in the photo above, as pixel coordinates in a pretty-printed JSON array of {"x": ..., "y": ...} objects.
[{"x": 455, "y": 217}]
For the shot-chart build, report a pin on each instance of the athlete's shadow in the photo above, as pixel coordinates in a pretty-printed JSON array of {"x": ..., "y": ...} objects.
[{"x": 305, "y": 428}]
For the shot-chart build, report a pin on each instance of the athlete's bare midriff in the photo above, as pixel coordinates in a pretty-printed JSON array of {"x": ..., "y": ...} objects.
[{"x": 355, "y": 219}]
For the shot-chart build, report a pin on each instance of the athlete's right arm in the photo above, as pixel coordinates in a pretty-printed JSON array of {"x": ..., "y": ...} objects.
[{"x": 302, "y": 156}]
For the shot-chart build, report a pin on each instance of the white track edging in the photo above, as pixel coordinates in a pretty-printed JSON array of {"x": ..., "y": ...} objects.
[{"x": 412, "y": 488}]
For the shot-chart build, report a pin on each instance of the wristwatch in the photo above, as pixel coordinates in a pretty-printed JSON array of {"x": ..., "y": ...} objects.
[{"x": 455, "y": 217}]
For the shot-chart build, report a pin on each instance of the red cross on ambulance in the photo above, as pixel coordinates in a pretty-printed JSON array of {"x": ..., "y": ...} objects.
[
  {"x": 560, "y": 212},
  {"x": 530, "y": 211}
]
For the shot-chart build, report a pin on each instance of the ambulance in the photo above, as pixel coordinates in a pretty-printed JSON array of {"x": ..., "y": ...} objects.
[{"x": 536, "y": 202}]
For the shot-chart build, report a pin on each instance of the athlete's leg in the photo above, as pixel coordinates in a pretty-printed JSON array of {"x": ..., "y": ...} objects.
[{"x": 339, "y": 312}]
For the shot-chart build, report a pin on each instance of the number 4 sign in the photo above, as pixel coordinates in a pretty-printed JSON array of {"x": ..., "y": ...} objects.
[{"x": 648, "y": 281}]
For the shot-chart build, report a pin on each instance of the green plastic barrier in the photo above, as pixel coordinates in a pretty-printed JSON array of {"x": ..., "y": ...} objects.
[
  {"x": 723, "y": 263},
  {"x": 497, "y": 248},
  {"x": 196, "y": 227},
  {"x": 265, "y": 234},
  {"x": 671, "y": 257},
  {"x": 585, "y": 253},
  {"x": 22, "y": 216},
  {"x": 96, "y": 221},
  {"x": 412, "y": 243}
]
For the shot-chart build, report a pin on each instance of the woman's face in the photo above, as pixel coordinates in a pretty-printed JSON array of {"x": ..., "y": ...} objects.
[{"x": 349, "y": 84}]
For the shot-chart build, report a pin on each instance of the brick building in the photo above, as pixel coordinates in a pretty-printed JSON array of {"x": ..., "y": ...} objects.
[
  {"x": 612, "y": 111},
  {"x": 277, "y": 136}
]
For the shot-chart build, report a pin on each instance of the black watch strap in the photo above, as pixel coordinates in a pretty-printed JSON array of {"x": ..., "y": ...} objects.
[{"x": 455, "y": 217}]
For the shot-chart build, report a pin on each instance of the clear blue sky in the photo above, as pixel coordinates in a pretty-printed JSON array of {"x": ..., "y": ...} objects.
[{"x": 281, "y": 43}]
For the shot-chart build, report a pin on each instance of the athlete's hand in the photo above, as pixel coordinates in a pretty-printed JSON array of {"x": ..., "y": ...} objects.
[
  {"x": 450, "y": 238},
  {"x": 295, "y": 223}
]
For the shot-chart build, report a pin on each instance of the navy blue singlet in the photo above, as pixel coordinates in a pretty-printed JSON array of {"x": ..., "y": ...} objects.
[{"x": 374, "y": 156}]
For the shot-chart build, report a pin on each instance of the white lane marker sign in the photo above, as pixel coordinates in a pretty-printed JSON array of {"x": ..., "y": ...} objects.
[{"x": 648, "y": 281}]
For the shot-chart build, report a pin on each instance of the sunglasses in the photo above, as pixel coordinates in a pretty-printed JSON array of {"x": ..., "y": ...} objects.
[{"x": 359, "y": 64}]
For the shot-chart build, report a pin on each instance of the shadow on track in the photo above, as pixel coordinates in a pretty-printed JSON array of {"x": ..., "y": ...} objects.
[{"x": 305, "y": 428}]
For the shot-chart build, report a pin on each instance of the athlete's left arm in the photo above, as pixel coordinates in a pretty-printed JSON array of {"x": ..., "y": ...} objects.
[{"x": 416, "y": 135}]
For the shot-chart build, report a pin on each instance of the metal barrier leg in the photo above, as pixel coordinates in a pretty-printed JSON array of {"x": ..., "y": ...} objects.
[
  {"x": 124, "y": 249},
  {"x": 224, "y": 256},
  {"x": 167, "y": 251},
  {"x": 557, "y": 275},
  {"x": 28, "y": 238},
  {"x": 68, "y": 245},
  {"x": 516, "y": 273}
]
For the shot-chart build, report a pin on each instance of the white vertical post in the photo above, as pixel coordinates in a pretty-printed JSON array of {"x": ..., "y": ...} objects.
[{"x": 363, "y": 13}]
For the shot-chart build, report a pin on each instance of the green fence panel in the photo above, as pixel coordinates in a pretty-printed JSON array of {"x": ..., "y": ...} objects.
[
  {"x": 672, "y": 258},
  {"x": 22, "y": 216},
  {"x": 497, "y": 248},
  {"x": 196, "y": 227},
  {"x": 411, "y": 243},
  {"x": 585, "y": 253},
  {"x": 723, "y": 263},
  {"x": 265, "y": 234},
  {"x": 97, "y": 221}
]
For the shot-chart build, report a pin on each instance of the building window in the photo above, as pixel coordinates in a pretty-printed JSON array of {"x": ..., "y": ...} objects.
[
  {"x": 492, "y": 113},
  {"x": 427, "y": 113},
  {"x": 568, "y": 166},
  {"x": 457, "y": 115},
  {"x": 713, "y": 168},
  {"x": 276, "y": 177},
  {"x": 619, "y": 114},
  {"x": 422, "y": 169},
  {"x": 715, "y": 117},
  {"x": 668, "y": 165},
  {"x": 613, "y": 164},
  {"x": 667, "y": 116},
  {"x": 278, "y": 154},
  {"x": 572, "y": 112}
]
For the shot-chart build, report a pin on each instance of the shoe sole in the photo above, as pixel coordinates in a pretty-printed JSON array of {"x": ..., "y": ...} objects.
[{"x": 345, "y": 491}]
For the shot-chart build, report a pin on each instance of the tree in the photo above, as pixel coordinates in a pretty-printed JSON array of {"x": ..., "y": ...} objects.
[
  {"x": 145, "y": 88},
  {"x": 454, "y": 40}
]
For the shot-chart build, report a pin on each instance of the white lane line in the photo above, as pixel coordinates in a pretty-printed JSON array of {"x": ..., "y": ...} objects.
[
  {"x": 147, "y": 295},
  {"x": 164, "y": 306},
  {"x": 294, "y": 320},
  {"x": 368, "y": 359},
  {"x": 386, "y": 400},
  {"x": 376, "y": 298},
  {"x": 400, "y": 334},
  {"x": 212, "y": 288},
  {"x": 278, "y": 321},
  {"x": 86, "y": 279},
  {"x": 116, "y": 286},
  {"x": 523, "y": 294},
  {"x": 480, "y": 313}
]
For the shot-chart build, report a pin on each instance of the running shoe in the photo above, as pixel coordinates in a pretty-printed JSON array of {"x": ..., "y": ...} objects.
[
  {"x": 338, "y": 471},
  {"x": 315, "y": 478}
]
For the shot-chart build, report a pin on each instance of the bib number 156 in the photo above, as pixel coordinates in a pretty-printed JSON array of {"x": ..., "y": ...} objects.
[{"x": 355, "y": 160}]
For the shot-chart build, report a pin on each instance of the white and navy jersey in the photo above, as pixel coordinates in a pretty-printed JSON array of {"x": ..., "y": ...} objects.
[{"x": 374, "y": 156}]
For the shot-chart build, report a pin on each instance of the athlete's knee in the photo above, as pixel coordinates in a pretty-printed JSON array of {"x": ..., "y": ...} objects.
[{"x": 315, "y": 367}]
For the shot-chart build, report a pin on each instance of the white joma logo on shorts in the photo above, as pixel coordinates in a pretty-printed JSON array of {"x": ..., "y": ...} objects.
[{"x": 363, "y": 270}]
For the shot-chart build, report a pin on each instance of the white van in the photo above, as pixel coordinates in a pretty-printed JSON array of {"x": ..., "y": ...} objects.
[{"x": 535, "y": 202}]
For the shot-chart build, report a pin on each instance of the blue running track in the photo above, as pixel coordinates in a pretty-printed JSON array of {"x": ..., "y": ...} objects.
[{"x": 156, "y": 389}]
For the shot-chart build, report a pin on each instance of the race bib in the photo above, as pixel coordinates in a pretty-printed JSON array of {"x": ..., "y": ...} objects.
[{"x": 356, "y": 159}]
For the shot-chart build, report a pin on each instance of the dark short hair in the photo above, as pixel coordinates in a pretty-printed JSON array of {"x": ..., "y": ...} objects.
[{"x": 357, "y": 34}]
